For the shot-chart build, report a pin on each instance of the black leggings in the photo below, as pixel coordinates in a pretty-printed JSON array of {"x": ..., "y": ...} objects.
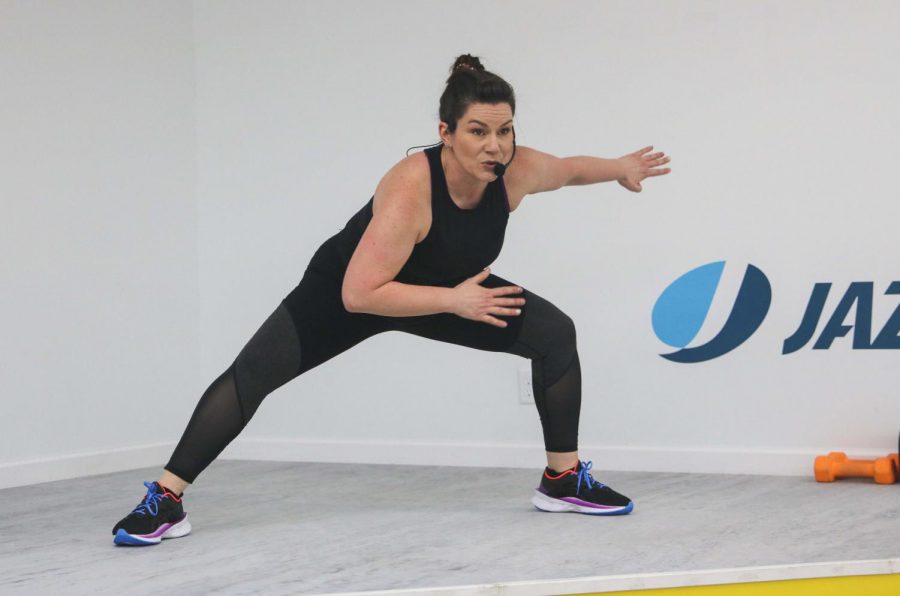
[{"x": 311, "y": 326}]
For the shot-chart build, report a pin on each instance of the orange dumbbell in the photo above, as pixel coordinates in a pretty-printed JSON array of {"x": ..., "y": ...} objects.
[{"x": 835, "y": 465}]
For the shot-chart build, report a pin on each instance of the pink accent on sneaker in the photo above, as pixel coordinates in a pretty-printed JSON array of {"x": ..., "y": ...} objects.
[
  {"x": 577, "y": 501},
  {"x": 159, "y": 532},
  {"x": 162, "y": 529}
]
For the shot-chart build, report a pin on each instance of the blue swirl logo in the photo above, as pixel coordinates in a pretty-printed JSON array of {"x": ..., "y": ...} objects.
[{"x": 681, "y": 309}]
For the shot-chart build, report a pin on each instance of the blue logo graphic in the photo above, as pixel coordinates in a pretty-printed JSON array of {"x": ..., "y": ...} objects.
[{"x": 681, "y": 309}]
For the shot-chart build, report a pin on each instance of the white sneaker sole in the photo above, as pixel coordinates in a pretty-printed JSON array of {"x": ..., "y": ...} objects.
[{"x": 571, "y": 504}]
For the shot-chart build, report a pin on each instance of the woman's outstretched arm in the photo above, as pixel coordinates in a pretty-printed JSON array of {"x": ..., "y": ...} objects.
[{"x": 541, "y": 172}]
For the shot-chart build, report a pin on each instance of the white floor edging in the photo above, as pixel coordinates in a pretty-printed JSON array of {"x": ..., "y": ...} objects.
[{"x": 649, "y": 581}]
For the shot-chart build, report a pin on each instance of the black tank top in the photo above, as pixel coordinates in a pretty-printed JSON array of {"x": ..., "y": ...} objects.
[{"x": 459, "y": 244}]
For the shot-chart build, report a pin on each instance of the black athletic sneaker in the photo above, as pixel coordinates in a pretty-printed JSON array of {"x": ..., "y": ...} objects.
[
  {"x": 160, "y": 515},
  {"x": 576, "y": 490}
]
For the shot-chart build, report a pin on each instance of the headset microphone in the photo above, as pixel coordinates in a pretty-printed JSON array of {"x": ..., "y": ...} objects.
[{"x": 499, "y": 168}]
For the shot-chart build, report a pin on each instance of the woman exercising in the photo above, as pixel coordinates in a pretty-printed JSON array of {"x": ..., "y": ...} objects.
[{"x": 415, "y": 259}]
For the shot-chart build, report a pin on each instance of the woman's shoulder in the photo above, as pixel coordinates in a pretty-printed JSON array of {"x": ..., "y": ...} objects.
[
  {"x": 415, "y": 167},
  {"x": 407, "y": 187},
  {"x": 407, "y": 180},
  {"x": 531, "y": 171}
]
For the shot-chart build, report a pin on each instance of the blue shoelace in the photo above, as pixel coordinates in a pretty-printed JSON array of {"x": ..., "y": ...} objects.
[
  {"x": 150, "y": 504},
  {"x": 585, "y": 476}
]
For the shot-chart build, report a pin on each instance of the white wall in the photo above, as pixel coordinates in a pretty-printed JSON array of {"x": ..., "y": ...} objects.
[
  {"x": 781, "y": 120},
  {"x": 100, "y": 290}
]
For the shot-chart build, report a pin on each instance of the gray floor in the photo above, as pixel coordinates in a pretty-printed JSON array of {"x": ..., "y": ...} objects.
[{"x": 299, "y": 528}]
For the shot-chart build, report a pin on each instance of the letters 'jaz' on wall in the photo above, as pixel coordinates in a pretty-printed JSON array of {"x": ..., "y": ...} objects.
[{"x": 860, "y": 294}]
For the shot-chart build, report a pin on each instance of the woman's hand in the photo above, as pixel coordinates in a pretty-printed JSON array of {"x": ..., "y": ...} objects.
[
  {"x": 638, "y": 166},
  {"x": 477, "y": 303}
]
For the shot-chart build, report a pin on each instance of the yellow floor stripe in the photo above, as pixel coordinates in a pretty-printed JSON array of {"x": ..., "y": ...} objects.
[{"x": 854, "y": 585}]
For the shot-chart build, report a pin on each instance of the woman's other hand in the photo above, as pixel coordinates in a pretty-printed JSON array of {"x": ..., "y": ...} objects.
[{"x": 475, "y": 302}]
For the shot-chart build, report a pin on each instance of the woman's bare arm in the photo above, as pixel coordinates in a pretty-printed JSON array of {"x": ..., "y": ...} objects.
[
  {"x": 398, "y": 218},
  {"x": 536, "y": 171}
]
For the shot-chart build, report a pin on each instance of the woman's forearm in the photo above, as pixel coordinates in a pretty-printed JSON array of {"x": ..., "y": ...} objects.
[
  {"x": 395, "y": 299},
  {"x": 591, "y": 170}
]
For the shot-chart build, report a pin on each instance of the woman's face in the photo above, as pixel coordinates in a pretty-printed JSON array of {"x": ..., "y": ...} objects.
[{"x": 482, "y": 138}]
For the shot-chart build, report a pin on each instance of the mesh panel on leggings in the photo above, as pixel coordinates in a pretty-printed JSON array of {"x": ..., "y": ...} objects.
[
  {"x": 548, "y": 338},
  {"x": 216, "y": 421},
  {"x": 269, "y": 360}
]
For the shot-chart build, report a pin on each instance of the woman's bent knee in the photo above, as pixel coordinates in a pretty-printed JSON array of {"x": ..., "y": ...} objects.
[{"x": 269, "y": 360}]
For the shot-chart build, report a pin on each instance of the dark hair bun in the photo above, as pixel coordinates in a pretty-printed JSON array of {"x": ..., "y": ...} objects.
[{"x": 466, "y": 62}]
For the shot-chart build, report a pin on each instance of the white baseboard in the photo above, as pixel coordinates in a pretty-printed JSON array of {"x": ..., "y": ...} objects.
[
  {"x": 632, "y": 459},
  {"x": 64, "y": 467}
]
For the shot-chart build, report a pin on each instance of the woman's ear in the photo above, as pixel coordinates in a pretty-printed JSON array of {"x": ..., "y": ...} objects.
[{"x": 444, "y": 133}]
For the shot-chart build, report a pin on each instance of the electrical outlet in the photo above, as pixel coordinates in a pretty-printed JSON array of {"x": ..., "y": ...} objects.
[{"x": 526, "y": 391}]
